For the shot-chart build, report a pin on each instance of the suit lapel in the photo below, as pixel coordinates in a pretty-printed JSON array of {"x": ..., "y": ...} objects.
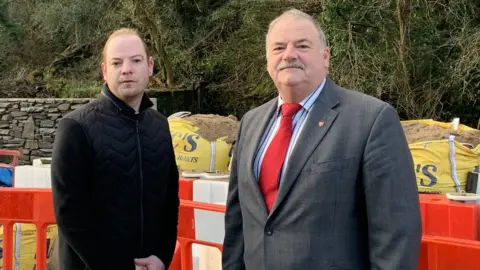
[
  {"x": 259, "y": 122},
  {"x": 309, "y": 138}
]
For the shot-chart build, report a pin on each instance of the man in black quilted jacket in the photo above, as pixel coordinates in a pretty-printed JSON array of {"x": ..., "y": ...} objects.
[{"x": 114, "y": 176}]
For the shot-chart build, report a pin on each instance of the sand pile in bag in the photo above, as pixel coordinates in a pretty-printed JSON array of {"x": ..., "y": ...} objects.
[
  {"x": 211, "y": 127},
  {"x": 469, "y": 136},
  {"x": 419, "y": 132}
]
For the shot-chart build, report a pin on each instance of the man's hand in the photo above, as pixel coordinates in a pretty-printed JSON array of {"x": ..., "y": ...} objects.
[{"x": 150, "y": 263}]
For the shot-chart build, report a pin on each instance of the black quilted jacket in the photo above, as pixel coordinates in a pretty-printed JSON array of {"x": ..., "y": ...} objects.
[{"x": 115, "y": 186}]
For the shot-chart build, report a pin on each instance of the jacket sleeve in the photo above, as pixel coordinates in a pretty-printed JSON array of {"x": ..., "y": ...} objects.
[
  {"x": 232, "y": 255},
  {"x": 170, "y": 229},
  {"x": 71, "y": 173},
  {"x": 392, "y": 201}
]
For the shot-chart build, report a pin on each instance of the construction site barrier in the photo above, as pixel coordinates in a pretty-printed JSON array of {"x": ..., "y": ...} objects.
[
  {"x": 443, "y": 217},
  {"x": 21, "y": 205},
  {"x": 186, "y": 220},
  {"x": 437, "y": 252},
  {"x": 183, "y": 258},
  {"x": 186, "y": 224},
  {"x": 25, "y": 205},
  {"x": 445, "y": 253}
]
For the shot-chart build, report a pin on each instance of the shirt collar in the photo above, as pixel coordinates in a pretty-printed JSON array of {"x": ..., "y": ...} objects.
[{"x": 309, "y": 100}]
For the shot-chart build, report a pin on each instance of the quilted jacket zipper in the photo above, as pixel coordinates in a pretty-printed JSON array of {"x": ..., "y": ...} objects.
[
  {"x": 141, "y": 185},
  {"x": 140, "y": 164}
]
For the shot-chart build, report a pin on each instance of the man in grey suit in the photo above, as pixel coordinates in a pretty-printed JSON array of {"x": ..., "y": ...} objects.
[{"x": 321, "y": 177}]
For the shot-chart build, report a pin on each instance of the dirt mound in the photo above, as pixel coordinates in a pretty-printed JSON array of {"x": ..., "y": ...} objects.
[
  {"x": 470, "y": 136},
  {"x": 418, "y": 132},
  {"x": 211, "y": 126}
]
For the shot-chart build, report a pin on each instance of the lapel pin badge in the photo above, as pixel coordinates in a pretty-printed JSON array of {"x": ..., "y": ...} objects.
[{"x": 321, "y": 123}]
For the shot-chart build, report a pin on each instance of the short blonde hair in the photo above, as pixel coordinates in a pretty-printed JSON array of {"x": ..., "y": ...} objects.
[
  {"x": 297, "y": 14},
  {"x": 123, "y": 32}
]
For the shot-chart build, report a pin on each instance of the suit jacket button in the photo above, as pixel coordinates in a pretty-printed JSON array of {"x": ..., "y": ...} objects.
[{"x": 268, "y": 232}]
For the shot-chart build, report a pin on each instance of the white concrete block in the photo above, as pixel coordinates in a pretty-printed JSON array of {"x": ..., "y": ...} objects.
[
  {"x": 219, "y": 192},
  {"x": 202, "y": 190},
  {"x": 41, "y": 161},
  {"x": 33, "y": 176},
  {"x": 209, "y": 226},
  {"x": 210, "y": 191}
]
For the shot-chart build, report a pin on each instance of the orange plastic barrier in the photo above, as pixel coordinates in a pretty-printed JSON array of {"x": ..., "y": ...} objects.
[
  {"x": 442, "y": 217},
  {"x": 443, "y": 253},
  {"x": 176, "y": 263},
  {"x": 186, "y": 216},
  {"x": 183, "y": 256},
  {"x": 186, "y": 224},
  {"x": 437, "y": 253},
  {"x": 35, "y": 206},
  {"x": 20, "y": 205}
]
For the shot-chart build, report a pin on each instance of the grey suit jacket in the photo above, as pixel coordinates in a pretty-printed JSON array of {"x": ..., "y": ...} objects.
[{"x": 349, "y": 198}]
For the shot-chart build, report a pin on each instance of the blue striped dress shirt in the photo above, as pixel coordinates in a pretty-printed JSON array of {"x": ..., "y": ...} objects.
[{"x": 273, "y": 125}]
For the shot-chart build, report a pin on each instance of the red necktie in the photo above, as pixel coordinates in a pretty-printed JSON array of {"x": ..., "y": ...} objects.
[{"x": 275, "y": 155}]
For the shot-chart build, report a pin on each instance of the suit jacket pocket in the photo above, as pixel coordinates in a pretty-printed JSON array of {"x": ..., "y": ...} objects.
[{"x": 331, "y": 165}]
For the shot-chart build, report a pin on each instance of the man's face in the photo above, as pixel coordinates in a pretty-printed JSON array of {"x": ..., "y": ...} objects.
[
  {"x": 295, "y": 54},
  {"x": 126, "y": 68}
]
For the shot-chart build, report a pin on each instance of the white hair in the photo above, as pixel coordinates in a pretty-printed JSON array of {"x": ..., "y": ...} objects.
[{"x": 297, "y": 14}]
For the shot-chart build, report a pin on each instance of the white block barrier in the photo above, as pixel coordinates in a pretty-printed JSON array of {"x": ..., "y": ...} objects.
[
  {"x": 37, "y": 176},
  {"x": 209, "y": 226}
]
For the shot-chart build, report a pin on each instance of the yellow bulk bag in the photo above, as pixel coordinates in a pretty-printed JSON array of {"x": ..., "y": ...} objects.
[
  {"x": 24, "y": 245},
  {"x": 202, "y": 142},
  {"x": 442, "y": 156}
]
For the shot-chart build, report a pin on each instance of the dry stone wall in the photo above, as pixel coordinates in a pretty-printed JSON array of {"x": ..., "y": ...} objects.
[{"x": 29, "y": 125}]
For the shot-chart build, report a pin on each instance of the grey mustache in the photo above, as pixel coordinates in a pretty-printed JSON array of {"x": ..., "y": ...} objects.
[{"x": 292, "y": 64}]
